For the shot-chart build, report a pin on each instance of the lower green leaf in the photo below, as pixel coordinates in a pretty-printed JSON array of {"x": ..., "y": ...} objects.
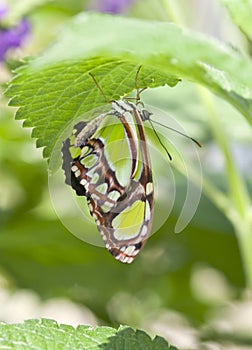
[{"x": 47, "y": 334}]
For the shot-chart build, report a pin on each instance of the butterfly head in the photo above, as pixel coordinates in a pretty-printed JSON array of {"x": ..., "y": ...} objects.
[{"x": 145, "y": 114}]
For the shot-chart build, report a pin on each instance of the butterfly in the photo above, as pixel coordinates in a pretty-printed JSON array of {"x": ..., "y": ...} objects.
[{"x": 107, "y": 161}]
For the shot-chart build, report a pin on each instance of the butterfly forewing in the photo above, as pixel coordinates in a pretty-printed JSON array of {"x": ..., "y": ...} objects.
[{"x": 107, "y": 161}]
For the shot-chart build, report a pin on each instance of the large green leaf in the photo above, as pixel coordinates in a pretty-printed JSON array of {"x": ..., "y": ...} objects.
[
  {"x": 55, "y": 88},
  {"x": 53, "y": 96},
  {"x": 48, "y": 335}
]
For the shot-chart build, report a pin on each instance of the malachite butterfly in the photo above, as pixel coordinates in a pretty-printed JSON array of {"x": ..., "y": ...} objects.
[{"x": 107, "y": 161}]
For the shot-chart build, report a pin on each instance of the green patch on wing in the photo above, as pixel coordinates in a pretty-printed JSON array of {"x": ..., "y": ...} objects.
[
  {"x": 75, "y": 151},
  {"x": 89, "y": 160},
  {"x": 116, "y": 150},
  {"x": 128, "y": 223}
]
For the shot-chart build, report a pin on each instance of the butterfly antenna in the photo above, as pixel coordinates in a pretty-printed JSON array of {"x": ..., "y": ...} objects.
[
  {"x": 98, "y": 86},
  {"x": 178, "y": 132},
  {"x": 159, "y": 140},
  {"x": 139, "y": 91}
]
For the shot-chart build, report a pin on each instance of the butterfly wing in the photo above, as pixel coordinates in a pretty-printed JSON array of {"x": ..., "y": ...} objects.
[{"x": 110, "y": 165}]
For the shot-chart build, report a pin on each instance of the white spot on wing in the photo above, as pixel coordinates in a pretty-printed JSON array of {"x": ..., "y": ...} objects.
[
  {"x": 109, "y": 204},
  {"x": 95, "y": 197},
  {"x": 147, "y": 213},
  {"x": 90, "y": 206},
  {"x": 130, "y": 250},
  {"x": 106, "y": 208},
  {"x": 74, "y": 168},
  {"x": 144, "y": 231},
  {"x": 83, "y": 182},
  {"x": 114, "y": 195},
  {"x": 102, "y": 188},
  {"x": 149, "y": 188},
  {"x": 127, "y": 259},
  {"x": 122, "y": 249}
]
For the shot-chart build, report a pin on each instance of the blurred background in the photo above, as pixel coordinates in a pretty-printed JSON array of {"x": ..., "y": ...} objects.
[{"x": 193, "y": 287}]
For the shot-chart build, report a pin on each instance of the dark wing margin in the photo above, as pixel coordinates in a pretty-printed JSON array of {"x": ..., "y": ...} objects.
[{"x": 70, "y": 178}]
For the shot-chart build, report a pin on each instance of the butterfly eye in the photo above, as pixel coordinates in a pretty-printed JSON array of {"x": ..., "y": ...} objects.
[{"x": 145, "y": 114}]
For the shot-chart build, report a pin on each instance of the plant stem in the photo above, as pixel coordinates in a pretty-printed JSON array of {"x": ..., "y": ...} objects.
[
  {"x": 244, "y": 234},
  {"x": 239, "y": 208}
]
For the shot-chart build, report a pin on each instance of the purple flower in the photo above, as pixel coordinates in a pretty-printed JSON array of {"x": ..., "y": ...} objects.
[
  {"x": 11, "y": 37},
  {"x": 3, "y": 11},
  {"x": 112, "y": 6}
]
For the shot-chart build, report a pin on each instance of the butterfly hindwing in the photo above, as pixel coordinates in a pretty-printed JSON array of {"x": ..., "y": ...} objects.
[{"x": 107, "y": 161}]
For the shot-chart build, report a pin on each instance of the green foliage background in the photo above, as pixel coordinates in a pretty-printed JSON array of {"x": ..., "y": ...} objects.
[{"x": 38, "y": 253}]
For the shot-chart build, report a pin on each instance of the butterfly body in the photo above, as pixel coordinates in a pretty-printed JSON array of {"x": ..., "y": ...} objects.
[{"x": 107, "y": 161}]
